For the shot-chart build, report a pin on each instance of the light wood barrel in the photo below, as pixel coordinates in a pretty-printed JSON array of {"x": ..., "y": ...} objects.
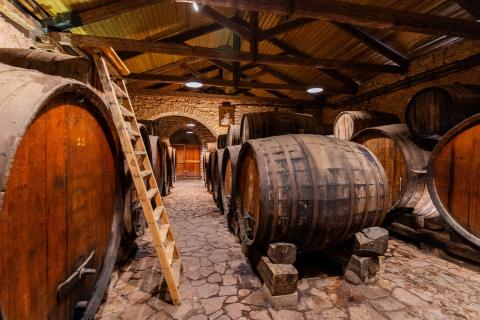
[
  {"x": 233, "y": 135},
  {"x": 347, "y": 123},
  {"x": 404, "y": 163},
  {"x": 267, "y": 124},
  {"x": 61, "y": 199},
  {"x": 308, "y": 190},
  {"x": 453, "y": 178},
  {"x": 221, "y": 141},
  {"x": 227, "y": 180},
  {"x": 433, "y": 111}
]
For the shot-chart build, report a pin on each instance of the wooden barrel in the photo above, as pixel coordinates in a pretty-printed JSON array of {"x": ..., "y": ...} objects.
[
  {"x": 159, "y": 163},
  {"x": 347, "y": 123},
  {"x": 233, "y": 135},
  {"x": 308, "y": 190},
  {"x": 206, "y": 171},
  {"x": 453, "y": 178},
  {"x": 221, "y": 141},
  {"x": 171, "y": 166},
  {"x": 211, "y": 147},
  {"x": 404, "y": 163},
  {"x": 433, "y": 111},
  {"x": 61, "y": 201},
  {"x": 267, "y": 124},
  {"x": 56, "y": 64},
  {"x": 227, "y": 181},
  {"x": 217, "y": 173}
]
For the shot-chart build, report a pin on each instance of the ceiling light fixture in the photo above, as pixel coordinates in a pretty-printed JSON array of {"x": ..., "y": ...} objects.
[
  {"x": 194, "y": 84},
  {"x": 314, "y": 90},
  {"x": 195, "y": 6},
  {"x": 190, "y": 124},
  {"x": 189, "y": 132}
]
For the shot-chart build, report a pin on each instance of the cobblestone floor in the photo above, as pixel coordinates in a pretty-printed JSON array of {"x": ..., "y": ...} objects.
[{"x": 218, "y": 282}]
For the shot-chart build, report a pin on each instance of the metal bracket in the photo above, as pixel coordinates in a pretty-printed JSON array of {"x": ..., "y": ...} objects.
[{"x": 65, "y": 287}]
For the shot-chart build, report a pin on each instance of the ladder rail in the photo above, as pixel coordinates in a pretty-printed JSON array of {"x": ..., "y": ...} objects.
[{"x": 171, "y": 274}]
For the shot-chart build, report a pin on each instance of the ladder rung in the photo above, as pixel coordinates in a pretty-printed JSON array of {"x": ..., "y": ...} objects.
[
  {"x": 151, "y": 193},
  {"x": 140, "y": 153},
  {"x": 145, "y": 173},
  {"x": 176, "y": 268},
  {"x": 158, "y": 211},
  {"x": 169, "y": 251},
  {"x": 126, "y": 113},
  {"x": 164, "y": 231},
  {"x": 133, "y": 132}
]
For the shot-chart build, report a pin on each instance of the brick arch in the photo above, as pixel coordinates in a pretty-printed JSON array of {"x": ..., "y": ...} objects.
[
  {"x": 167, "y": 124},
  {"x": 208, "y": 123}
]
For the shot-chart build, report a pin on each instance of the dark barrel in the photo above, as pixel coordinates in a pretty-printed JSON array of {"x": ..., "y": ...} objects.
[
  {"x": 308, "y": 190},
  {"x": 211, "y": 149},
  {"x": 433, "y": 111},
  {"x": 404, "y": 163},
  {"x": 347, "y": 123},
  {"x": 61, "y": 200},
  {"x": 159, "y": 162},
  {"x": 454, "y": 178},
  {"x": 206, "y": 170},
  {"x": 221, "y": 141},
  {"x": 233, "y": 135},
  {"x": 227, "y": 181},
  {"x": 267, "y": 124},
  {"x": 215, "y": 168}
]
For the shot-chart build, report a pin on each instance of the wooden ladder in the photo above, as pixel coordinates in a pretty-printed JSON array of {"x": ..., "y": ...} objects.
[{"x": 142, "y": 174}]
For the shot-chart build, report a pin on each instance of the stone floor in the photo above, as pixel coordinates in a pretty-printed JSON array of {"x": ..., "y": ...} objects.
[{"x": 218, "y": 282}]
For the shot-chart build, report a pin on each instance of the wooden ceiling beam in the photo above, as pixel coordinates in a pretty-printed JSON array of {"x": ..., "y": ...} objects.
[
  {"x": 68, "y": 20},
  {"x": 283, "y": 27},
  {"x": 294, "y": 103},
  {"x": 358, "y": 14},
  {"x": 222, "y": 83},
  {"x": 225, "y": 22},
  {"x": 471, "y": 6},
  {"x": 219, "y": 54},
  {"x": 179, "y": 37},
  {"x": 374, "y": 43},
  {"x": 288, "y": 49}
]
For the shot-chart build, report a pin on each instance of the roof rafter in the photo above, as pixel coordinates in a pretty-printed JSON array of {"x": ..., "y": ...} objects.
[
  {"x": 471, "y": 6},
  {"x": 358, "y": 14},
  {"x": 220, "y": 54}
]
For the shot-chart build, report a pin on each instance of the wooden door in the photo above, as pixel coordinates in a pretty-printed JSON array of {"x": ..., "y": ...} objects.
[{"x": 188, "y": 161}]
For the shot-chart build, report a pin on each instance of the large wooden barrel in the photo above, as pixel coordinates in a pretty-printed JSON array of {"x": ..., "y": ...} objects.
[
  {"x": 221, "y": 141},
  {"x": 206, "y": 170},
  {"x": 308, "y": 190},
  {"x": 215, "y": 167},
  {"x": 347, "y": 123},
  {"x": 267, "y": 124},
  {"x": 159, "y": 163},
  {"x": 227, "y": 181},
  {"x": 63, "y": 65},
  {"x": 433, "y": 111},
  {"x": 233, "y": 135},
  {"x": 171, "y": 170},
  {"x": 453, "y": 178},
  {"x": 404, "y": 163},
  {"x": 61, "y": 201},
  {"x": 211, "y": 149}
]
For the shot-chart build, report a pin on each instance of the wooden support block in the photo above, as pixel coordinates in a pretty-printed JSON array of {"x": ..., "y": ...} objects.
[
  {"x": 283, "y": 300},
  {"x": 282, "y": 252},
  {"x": 280, "y": 279},
  {"x": 371, "y": 242},
  {"x": 362, "y": 269}
]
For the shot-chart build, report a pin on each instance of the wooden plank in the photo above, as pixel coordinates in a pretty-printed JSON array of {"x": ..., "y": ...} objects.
[
  {"x": 374, "y": 43},
  {"x": 293, "y": 103},
  {"x": 283, "y": 28},
  {"x": 220, "y": 54},
  {"x": 116, "y": 61},
  {"x": 358, "y": 14},
  {"x": 471, "y": 6},
  {"x": 225, "y": 21},
  {"x": 17, "y": 16},
  {"x": 68, "y": 20}
]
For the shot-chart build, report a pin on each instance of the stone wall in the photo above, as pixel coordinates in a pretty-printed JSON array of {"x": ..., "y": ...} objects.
[
  {"x": 205, "y": 111},
  {"x": 396, "y": 102}
]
